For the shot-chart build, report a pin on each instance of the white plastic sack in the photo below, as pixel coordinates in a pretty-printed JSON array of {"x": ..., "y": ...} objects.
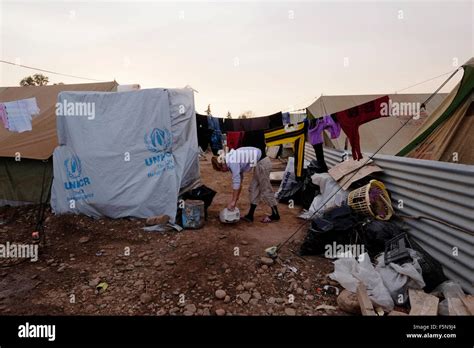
[
  {"x": 399, "y": 278},
  {"x": 328, "y": 198},
  {"x": 348, "y": 272}
]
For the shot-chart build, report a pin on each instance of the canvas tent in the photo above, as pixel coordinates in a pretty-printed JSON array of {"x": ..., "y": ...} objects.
[
  {"x": 375, "y": 133},
  {"x": 446, "y": 135},
  {"x": 23, "y": 181},
  {"x": 134, "y": 157}
]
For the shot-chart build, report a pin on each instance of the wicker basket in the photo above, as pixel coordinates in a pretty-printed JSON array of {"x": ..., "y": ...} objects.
[{"x": 359, "y": 200}]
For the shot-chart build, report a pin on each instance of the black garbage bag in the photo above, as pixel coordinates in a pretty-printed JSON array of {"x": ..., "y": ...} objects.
[
  {"x": 302, "y": 192},
  {"x": 337, "y": 225},
  {"x": 375, "y": 233},
  {"x": 431, "y": 269}
]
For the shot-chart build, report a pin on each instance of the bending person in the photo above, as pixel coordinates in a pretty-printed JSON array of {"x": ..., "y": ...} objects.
[{"x": 241, "y": 161}]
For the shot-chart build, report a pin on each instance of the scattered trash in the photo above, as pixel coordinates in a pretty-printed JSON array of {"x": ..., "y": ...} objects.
[
  {"x": 350, "y": 274},
  {"x": 272, "y": 252},
  {"x": 453, "y": 295},
  {"x": 335, "y": 225},
  {"x": 155, "y": 228},
  {"x": 331, "y": 290},
  {"x": 396, "y": 250},
  {"x": 398, "y": 278},
  {"x": 174, "y": 226},
  {"x": 101, "y": 287},
  {"x": 293, "y": 269}
]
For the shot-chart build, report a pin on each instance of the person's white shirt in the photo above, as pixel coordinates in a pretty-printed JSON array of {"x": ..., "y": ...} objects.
[{"x": 240, "y": 161}]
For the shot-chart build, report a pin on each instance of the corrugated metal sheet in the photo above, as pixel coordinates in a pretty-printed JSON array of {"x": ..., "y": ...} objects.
[{"x": 436, "y": 189}]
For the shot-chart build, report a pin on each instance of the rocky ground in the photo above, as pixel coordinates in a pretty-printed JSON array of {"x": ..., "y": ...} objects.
[{"x": 217, "y": 270}]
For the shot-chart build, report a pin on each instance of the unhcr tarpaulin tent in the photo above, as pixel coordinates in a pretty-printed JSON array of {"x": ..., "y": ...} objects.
[
  {"x": 375, "y": 133},
  {"x": 131, "y": 158},
  {"x": 22, "y": 181},
  {"x": 446, "y": 135}
]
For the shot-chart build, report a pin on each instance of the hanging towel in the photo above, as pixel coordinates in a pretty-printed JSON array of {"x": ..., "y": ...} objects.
[
  {"x": 281, "y": 135},
  {"x": 317, "y": 126},
  {"x": 19, "y": 117},
  {"x": 352, "y": 118}
]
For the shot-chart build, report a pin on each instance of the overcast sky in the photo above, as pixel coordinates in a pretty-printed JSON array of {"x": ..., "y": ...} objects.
[{"x": 249, "y": 55}]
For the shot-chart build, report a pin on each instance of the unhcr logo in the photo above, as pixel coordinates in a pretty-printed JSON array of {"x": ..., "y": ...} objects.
[
  {"x": 76, "y": 109},
  {"x": 73, "y": 167},
  {"x": 159, "y": 141},
  {"x": 74, "y": 171}
]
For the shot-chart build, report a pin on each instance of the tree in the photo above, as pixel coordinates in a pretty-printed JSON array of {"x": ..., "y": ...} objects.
[
  {"x": 208, "y": 111},
  {"x": 246, "y": 114},
  {"x": 35, "y": 80}
]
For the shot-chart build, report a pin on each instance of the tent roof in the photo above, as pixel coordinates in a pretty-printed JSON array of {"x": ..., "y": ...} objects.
[
  {"x": 447, "y": 130},
  {"x": 375, "y": 133},
  {"x": 41, "y": 141}
]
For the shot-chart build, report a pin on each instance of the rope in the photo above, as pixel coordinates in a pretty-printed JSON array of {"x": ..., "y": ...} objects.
[
  {"x": 436, "y": 220},
  {"x": 49, "y": 71}
]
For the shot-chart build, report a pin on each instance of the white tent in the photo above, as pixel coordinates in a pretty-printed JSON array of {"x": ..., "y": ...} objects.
[{"x": 132, "y": 157}]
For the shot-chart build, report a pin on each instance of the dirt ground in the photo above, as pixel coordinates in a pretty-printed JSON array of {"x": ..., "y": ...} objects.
[{"x": 172, "y": 273}]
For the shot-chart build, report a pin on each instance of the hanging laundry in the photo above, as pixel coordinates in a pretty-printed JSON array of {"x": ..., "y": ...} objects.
[
  {"x": 275, "y": 120},
  {"x": 3, "y": 115},
  {"x": 255, "y": 138},
  {"x": 30, "y": 106},
  {"x": 235, "y": 139},
  {"x": 215, "y": 134},
  {"x": 256, "y": 123},
  {"x": 203, "y": 133},
  {"x": 297, "y": 117},
  {"x": 352, "y": 118},
  {"x": 20, "y": 113},
  {"x": 319, "y": 151},
  {"x": 317, "y": 126},
  {"x": 213, "y": 123},
  {"x": 284, "y": 135}
]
